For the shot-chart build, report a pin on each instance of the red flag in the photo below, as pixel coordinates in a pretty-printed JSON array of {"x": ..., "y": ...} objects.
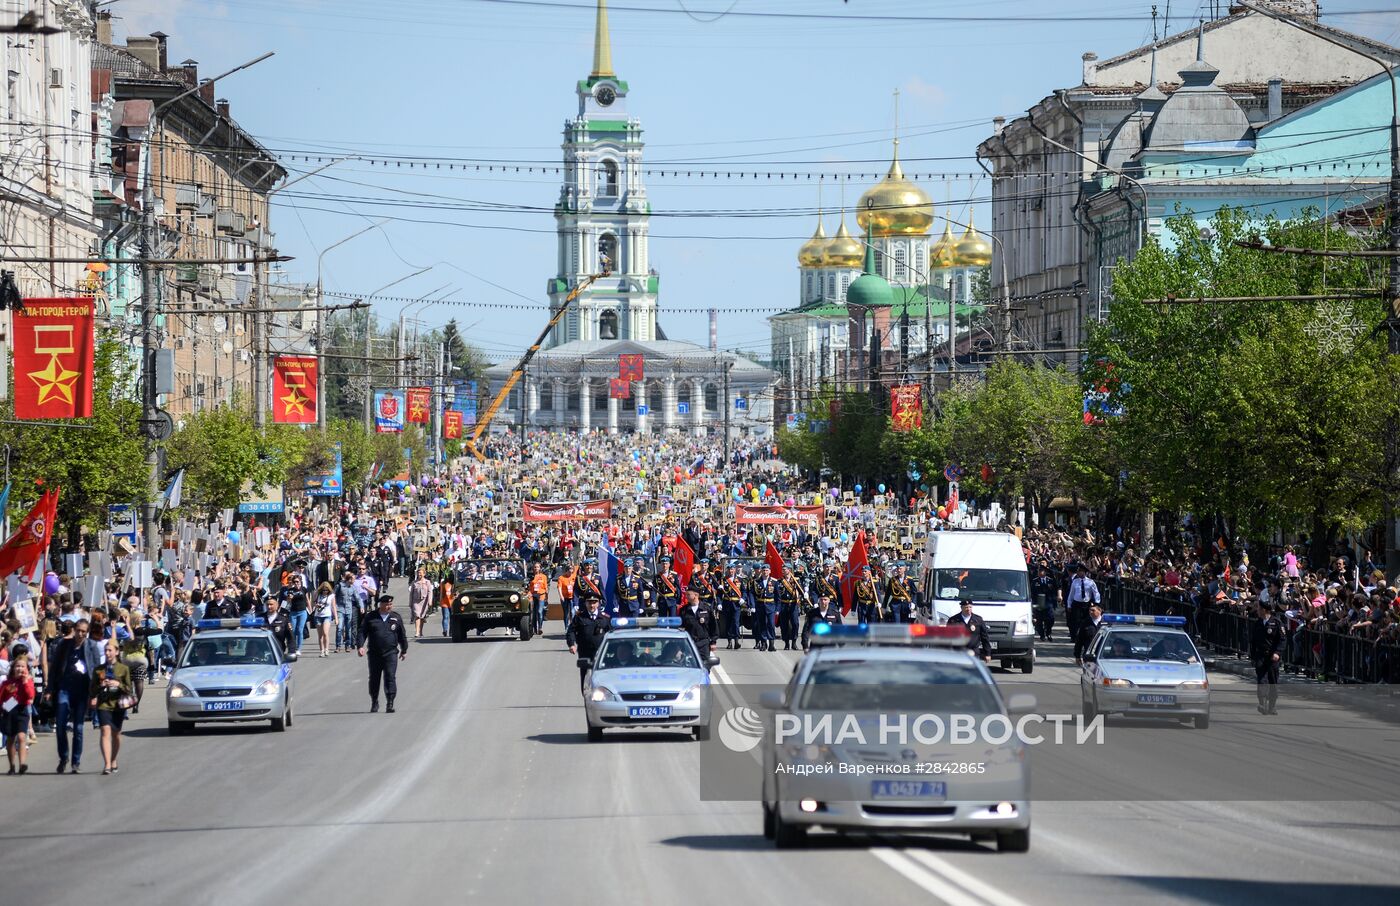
[
  {"x": 420, "y": 400},
  {"x": 53, "y": 358},
  {"x": 452, "y": 425},
  {"x": 619, "y": 389},
  {"x": 773, "y": 559},
  {"x": 28, "y": 546},
  {"x": 906, "y": 407},
  {"x": 630, "y": 367},
  {"x": 294, "y": 390},
  {"x": 683, "y": 558},
  {"x": 854, "y": 562}
]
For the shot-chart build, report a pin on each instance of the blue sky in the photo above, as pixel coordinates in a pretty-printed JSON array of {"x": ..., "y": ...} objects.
[{"x": 476, "y": 80}]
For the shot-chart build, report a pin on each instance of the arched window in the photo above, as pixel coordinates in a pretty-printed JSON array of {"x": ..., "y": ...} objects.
[
  {"x": 809, "y": 295},
  {"x": 547, "y": 395},
  {"x": 901, "y": 265},
  {"x": 607, "y": 325},
  {"x": 607, "y": 251},
  {"x": 683, "y": 394},
  {"x": 919, "y": 262},
  {"x": 711, "y": 398},
  {"x": 831, "y": 288},
  {"x": 608, "y": 184}
]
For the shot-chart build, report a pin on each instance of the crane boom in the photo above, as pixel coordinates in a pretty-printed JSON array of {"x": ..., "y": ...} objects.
[{"x": 519, "y": 371}]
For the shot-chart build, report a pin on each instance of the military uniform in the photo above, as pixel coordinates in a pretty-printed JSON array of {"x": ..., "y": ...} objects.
[
  {"x": 1265, "y": 648},
  {"x": 700, "y": 584},
  {"x": 789, "y": 594},
  {"x": 588, "y": 588},
  {"x": 867, "y": 600},
  {"x": 668, "y": 591},
  {"x": 629, "y": 595},
  {"x": 731, "y": 598},
  {"x": 763, "y": 599},
  {"x": 899, "y": 599}
]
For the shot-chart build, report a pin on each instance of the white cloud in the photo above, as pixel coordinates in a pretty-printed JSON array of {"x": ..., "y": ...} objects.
[{"x": 923, "y": 96}]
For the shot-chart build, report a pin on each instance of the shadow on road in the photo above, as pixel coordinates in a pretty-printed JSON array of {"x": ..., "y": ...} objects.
[
  {"x": 1276, "y": 893},
  {"x": 570, "y": 739}
]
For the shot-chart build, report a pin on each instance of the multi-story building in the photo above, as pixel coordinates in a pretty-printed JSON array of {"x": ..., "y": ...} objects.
[
  {"x": 210, "y": 181},
  {"x": 1047, "y": 164}
]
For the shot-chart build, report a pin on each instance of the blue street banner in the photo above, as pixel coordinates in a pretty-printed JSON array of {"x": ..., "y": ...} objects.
[
  {"x": 388, "y": 411},
  {"x": 464, "y": 401},
  {"x": 327, "y": 483}
]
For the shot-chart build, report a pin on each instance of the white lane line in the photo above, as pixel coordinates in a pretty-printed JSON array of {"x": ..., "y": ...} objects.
[
  {"x": 985, "y": 892},
  {"x": 922, "y": 877}
]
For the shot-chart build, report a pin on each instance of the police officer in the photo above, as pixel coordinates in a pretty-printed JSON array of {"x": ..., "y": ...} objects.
[
  {"x": 668, "y": 589},
  {"x": 381, "y": 633},
  {"x": 586, "y": 631},
  {"x": 826, "y": 610},
  {"x": 789, "y": 593},
  {"x": 629, "y": 591},
  {"x": 732, "y": 603},
  {"x": 900, "y": 593},
  {"x": 973, "y": 624},
  {"x": 1083, "y": 592},
  {"x": 867, "y": 598},
  {"x": 763, "y": 600},
  {"x": 1265, "y": 651},
  {"x": 279, "y": 625},
  {"x": 1086, "y": 632},
  {"x": 1044, "y": 592},
  {"x": 694, "y": 623}
]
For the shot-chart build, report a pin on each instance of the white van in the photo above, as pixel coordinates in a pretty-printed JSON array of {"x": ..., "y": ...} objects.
[{"x": 990, "y": 568}]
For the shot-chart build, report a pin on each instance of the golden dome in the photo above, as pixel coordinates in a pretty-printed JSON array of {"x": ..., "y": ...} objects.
[
  {"x": 844, "y": 250},
  {"x": 973, "y": 249},
  {"x": 810, "y": 255},
  {"x": 944, "y": 253},
  {"x": 896, "y": 206}
]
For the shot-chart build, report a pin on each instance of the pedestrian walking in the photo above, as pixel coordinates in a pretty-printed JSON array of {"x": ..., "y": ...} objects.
[
  {"x": 381, "y": 633},
  {"x": 16, "y": 697},
  {"x": 1265, "y": 652},
  {"x": 76, "y": 662},
  {"x": 585, "y": 634},
  {"x": 539, "y": 599},
  {"x": 110, "y": 695},
  {"x": 323, "y": 617},
  {"x": 420, "y": 598}
]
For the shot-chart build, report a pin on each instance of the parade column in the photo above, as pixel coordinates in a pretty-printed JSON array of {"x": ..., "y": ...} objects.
[
  {"x": 668, "y": 404},
  {"x": 643, "y": 421},
  {"x": 561, "y": 403},
  {"x": 585, "y": 404},
  {"x": 612, "y": 414},
  {"x": 697, "y": 405}
]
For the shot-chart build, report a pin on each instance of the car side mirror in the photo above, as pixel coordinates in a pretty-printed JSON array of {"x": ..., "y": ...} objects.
[
  {"x": 585, "y": 662},
  {"x": 1208, "y": 662},
  {"x": 1021, "y": 703},
  {"x": 712, "y": 661},
  {"x": 771, "y": 700}
]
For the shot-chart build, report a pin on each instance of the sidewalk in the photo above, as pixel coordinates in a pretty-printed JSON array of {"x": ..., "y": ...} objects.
[{"x": 1374, "y": 700}]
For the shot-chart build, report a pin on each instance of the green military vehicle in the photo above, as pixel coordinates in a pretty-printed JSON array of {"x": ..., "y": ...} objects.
[{"x": 490, "y": 594}]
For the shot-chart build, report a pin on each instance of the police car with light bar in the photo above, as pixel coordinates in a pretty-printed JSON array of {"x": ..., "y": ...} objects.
[
  {"x": 231, "y": 671},
  {"x": 869, "y": 676},
  {"x": 647, "y": 674},
  {"x": 1145, "y": 666}
]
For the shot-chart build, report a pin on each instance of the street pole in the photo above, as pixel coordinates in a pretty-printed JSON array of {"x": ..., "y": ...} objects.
[{"x": 727, "y": 407}]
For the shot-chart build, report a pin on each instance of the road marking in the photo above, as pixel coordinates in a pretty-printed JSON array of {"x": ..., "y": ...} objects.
[
  {"x": 979, "y": 888},
  {"x": 922, "y": 877}
]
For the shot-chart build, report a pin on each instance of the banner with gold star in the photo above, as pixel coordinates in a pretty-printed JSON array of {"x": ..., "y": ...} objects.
[
  {"x": 906, "y": 407},
  {"x": 53, "y": 358},
  {"x": 420, "y": 401},
  {"x": 452, "y": 425},
  {"x": 294, "y": 389}
]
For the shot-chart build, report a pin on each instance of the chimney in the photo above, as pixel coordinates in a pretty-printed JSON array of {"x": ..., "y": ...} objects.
[
  {"x": 164, "y": 60},
  {"x": 1091, "y": 68},
  {"x": 144, "y": 48},
  {"x": 104, "y": 27},
  {"x": 714, "y": 330},
  {"x": 189, "y": 71},
  {"x": 998, "y": 124},
  {"x": 1275, "y": 98},
  {"x": 206, "y": 91},
  {"x": 221, "y": 105}
]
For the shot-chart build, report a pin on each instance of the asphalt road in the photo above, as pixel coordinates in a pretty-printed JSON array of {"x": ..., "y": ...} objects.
[{"x": 483, "y": 788}]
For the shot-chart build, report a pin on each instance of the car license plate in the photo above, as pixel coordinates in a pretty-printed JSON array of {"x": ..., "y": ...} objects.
[
  {"x": 1149, "y": 699},
  {"x": 996, "y": 645},
  {"x": 908, "y": 789},
  {"x": 223, "y": 706},
  {"x": 489, "y": 615},
  {"x": 649, "y": 711}
]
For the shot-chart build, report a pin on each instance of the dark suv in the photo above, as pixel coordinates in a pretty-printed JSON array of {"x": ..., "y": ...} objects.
[{"x": 489, "y": 594}]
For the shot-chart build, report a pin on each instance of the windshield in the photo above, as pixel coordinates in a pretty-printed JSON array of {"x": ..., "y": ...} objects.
[
  {"x": 981, "y": 584},
  {"x": 645, "y": 651},
  {"x": 491, "y": 571},
  {"x": 1148, "y": 646},
  {"x": 230, "y": 652},
  {"x": 854, "y": 685}
]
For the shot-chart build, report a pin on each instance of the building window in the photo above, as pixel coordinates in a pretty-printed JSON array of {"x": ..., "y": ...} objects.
[
  {"x": 571, "y": 400},
  {"x": 607, "y": 325},
  {"x": 547, "y": 396},
  {"x": 901, "y": 265},
  {"x": 600, "y": 401},
  {"x": 683, "y": 394},
  {"x": 608, "y": 184},
  {"x": 607, "y": 251},
  {"x": 831, "y": 288},
  {"x": 919, "y": 263},
  {"x": 711, "y": 398},
  {"x": 810, "y": 294}
]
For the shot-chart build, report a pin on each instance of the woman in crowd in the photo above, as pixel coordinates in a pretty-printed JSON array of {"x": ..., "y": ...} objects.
[
  {"x": 16, "y": 697},
  {"x": 323, "y": 617},
  {"x": 111, "y": 695}
]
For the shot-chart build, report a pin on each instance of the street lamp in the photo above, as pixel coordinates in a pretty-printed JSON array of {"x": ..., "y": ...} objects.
[{"x": 320, "y": 320}]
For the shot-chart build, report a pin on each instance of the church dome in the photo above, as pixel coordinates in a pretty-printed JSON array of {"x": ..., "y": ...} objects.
[
  {"x": 870, "y": 290},
  {"x": 973, "y": 249},
  {"x": 895, "y": 206},
  {"x": 812, "y": 251},
  {"x": 944, "y": 253},
  {"x": 843, "y": 250}
]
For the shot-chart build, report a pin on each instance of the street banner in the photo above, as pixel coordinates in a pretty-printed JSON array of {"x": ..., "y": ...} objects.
[
  {"x": 567, "y": 511},
  {"x": 388, "y": 411},
  {"x": 328, "y": 482},
  {"x": 27, "y": 547},
  {"x": 293, "y": 389},
  {"x": 53, "y": 347},
  {"x": 420, "y": 404},
  {"x": 452, "y": 425},
  {"x": 854, "y": 561},
  {"x": 619, "y": 389},
  {"x": 777, "y": 514},
  {"x": 906, "y": 407},
  {"x": 631, "y": 368}
]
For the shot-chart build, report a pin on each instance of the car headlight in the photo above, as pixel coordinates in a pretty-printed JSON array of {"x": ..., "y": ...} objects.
[
  {"x": 267, "y": 687},
  {"x": 1023, "y": 626},
  {"x": 1107, "y": 681},
  {"x": 690, "y": 696},
  {"x": 464, "y": 599},
  {"x": 515, "y": 599},
  {"x": 1195, "y": 684},
  {"x": 180, "y": 690},
  {"x": 602, "y": 694}
]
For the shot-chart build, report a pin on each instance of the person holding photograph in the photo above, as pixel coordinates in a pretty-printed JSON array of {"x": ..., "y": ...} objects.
[
  {"x": 16, "y": 697},
  {"x": 111, "y": 696}
]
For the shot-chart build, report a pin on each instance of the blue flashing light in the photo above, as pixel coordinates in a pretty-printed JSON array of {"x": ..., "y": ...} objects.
[
  {"x": 248, "y": 622},
  {"x": 646, "y": 622},
  {"x": 1143, "y": 619}
]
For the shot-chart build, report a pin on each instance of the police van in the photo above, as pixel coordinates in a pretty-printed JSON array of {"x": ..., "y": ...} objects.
[{"x": 989, "y": 567}]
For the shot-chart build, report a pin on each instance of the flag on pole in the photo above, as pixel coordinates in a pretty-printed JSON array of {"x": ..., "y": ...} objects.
[
  {"x": 294, "y": 389},
  {"x": 27, "y": 547},
  {"x": 773, "y": 558},
  {"x": 608, "y": 568},
  {"x": 683, "y": 558},
  {"x": 175, "y": 492},
  {"x": 854, "y": 561},
  {"x": 420, "y": 401},
  {"x": 698, "y": 466},
  {"x": 53, "y": 358}
]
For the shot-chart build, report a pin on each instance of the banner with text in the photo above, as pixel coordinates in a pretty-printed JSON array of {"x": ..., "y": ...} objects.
[
  {"x": 294, "y": 389},
  {"x": 420, "y": 404},
  {"x": 53, "y": 348},
  {"x": 568, "y": 511},
  {"x": 765, "y": 514},
  {"x": 388, "y": 411}
]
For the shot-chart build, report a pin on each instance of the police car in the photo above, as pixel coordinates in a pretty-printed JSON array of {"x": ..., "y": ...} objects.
[
  {"x": 647, "y": 674},
  {"x": 863, "y": 774},
  {"x": 1145, "y": 666},
  {"x": 231, "y": 671}
]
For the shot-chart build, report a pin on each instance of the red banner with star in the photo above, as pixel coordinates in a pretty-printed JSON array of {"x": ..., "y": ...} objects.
[
  {"x": 53, "y": 358},
  {"x": 906, "y": 407},
  {"x": 619, "y": 389},
  {"x": 420, "y": 401},
  {"x": 294, "y": 389},
  {"x": 630, "y": 367},
  {"x": 452, "y": 425}
]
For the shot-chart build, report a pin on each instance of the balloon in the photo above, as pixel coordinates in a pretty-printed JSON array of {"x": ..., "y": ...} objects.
[
  {"x": 442, "y": 502},
  {"x": 640, "y": 486},
  {"x": 763, "y": 489},
  {"x": 882, "y": 489},
  {"x": 233, "y": 537},
  {"x": 754, "y": 493},
  {"x": 51, "y": 584},
  {"x": 835, "y": 493},
  {"x": 844, "y": 537},
  {"x": 857, "y": 489},
  {"x": 643, "y": 473},
  {"x": 943, "y": 512},
  {"x": 534, "y": 492},
  {"x": 791, "y": 502},
  {"x": 490, "y": 495}
]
